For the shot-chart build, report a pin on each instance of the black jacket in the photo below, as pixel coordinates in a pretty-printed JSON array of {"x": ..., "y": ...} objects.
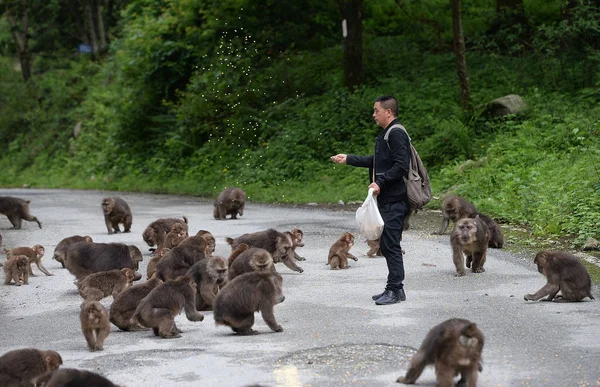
[{"x": 388, "y": 165}]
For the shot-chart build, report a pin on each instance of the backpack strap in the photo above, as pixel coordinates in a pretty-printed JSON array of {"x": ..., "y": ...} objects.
[{"x": 396, "y": 126}]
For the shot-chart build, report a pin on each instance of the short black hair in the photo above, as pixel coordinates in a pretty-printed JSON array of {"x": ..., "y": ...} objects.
[{"x": 388, "y": 102}]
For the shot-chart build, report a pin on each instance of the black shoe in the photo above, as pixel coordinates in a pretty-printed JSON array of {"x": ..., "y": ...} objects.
[
  {"x": 375, "y": 297},
  {"x": 388, "y": 297},
  {"x": 402, "y": 295}
]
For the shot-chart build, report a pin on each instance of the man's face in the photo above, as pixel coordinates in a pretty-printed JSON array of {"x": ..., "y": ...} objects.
[{"x": 382, "y": 116}]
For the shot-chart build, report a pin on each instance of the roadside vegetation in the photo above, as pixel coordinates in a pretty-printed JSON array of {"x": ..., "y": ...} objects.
[{"x": 191, "y": 97}]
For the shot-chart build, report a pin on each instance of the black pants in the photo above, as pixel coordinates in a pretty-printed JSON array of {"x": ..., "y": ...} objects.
[{"x": 393, "y": 216}]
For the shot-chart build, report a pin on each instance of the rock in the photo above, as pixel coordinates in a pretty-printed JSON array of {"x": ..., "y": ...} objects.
[
  {"x": 509, "y": 104},
  {"x": 591, "y": 244}
]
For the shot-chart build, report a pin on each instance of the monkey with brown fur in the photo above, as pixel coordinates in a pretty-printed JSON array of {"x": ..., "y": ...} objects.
[
  {"x": 16, "y": 268},
  {"x": 63, "y": 244},
  {"x": 469, "y": 237},
  {"x": 96, "y": 286},
  {"x": 174, "y": 237},
  {"x": 374, "y": 248},
  {"x": 496, "y": 237},
  {"x": 70, "y": 377},
  {"x": 252, "y": 259},
  {"x": 454, "y": 347},
  {"x": 297, "y": 236},
  {"x": 17, "y": 209},
  {"x": 339, "y": 252},
  {"x": 565, "y": 273},
  {"x": 278, "y": 244},
  {"x": 155, "y": 233},
  {"x": 85, "y": 258},
  {"x": 158, "y": 309},
  {"x": 454, "y": 208},
  {"x": 126, "y": 302},
  {"x": 34, "y": 254},
  {"x": 158, "y": 255},
  {"x": 179, "y": 259},
  {"x": 210, "y": 240},
  {"x": 230, "y": 201},
  {"x": 94, "y": 324},
  {"x": 209, "y": 275},
  {"x": 257, "y": 291},
  {"x": 20, "y": 366},
  {"x": 116, "y": 210}
]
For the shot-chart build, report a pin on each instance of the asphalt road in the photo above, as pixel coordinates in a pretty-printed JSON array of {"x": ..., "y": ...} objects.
[{"x": 334, "y": 334}]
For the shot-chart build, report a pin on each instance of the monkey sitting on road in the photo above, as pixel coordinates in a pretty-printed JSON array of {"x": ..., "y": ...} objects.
[
  {"x": 565, "y": 273},
  {"x": 209, "y": 275},
  {"x": 339, "y": 252},
  {"x": 16, "y": 268},
  {"x": 20, "y": 366},
  {"x": 246, "y": 294},
  {"x": 60, "y": 248},
  {"x": 454, "y": 347}
]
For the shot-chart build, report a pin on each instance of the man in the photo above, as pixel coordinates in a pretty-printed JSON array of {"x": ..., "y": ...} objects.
[{"x": 387, "y": 168}]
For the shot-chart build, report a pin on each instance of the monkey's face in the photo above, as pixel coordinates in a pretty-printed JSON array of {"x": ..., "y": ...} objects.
[
  {"x": 217, "y": 267},
  {"x": 540, "y": 261},
  {"x": 298, "y": 239},
  {"x": 468, "y": 231},
  {"x": 88, "y": 239},
  {"x": 94, "y": 315},
  {"x": 108, "y": 206},
  {"x": 39, "y": 251},
  {"x": 349, "y": 239},
  {"x": 149, "y": 236}
]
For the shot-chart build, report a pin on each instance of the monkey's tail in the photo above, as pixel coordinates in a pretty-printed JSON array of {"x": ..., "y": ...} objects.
[
  {"x": 185, "y": 220},
  {"x": 229, "y": 240}
]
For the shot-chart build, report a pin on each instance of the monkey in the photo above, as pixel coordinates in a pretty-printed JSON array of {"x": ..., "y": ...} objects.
[
  {"x": 454, "y": 208},
  {"x": 279, "y": 245},
  {"x": 297, "y": 236},
  {"x": 454, "y": 347},
  {"x": 158, "y": 309},
  {"x": 96, "y": 286},
  {"x": 496, "y": 237},
  {"x": 179, "y": 259},
  {"x": 16, "y": 268},
  {"x": 116, "y": 210},
  {"x": 230, "y": 201},
  {"x": 62, "y": 245},
  {"x": 126, "y": 302},
  {"x": 252, "y": 259},
  {"x": 20, "y": 366},
  {"x": 470, "y": 237},
  {"x": 245, "y": 294},
  {"x": 155, "y": 233},
  {"x": 94, "y": 324},
  {"x": 158, "y": 255},
  {"x": 174, "y": 237},
  {"x": 339, "y": 252},
  {"x": 209, "y": 275},
  {"x": 34, "y": 254},
  {"x": 565, "y": 273},
  {"x": 210, "y": 240},
  {"x": 236, "y": 252},
  {"x": 84, "y": 258},
  {"x": 70, "y": 377},
  {"x": 16, "y": 210},
  {"x": 374, "y": 248}
]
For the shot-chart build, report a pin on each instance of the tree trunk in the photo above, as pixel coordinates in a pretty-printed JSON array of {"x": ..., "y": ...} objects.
[
  {"x": 461, "y": 59},
  {"x": 101, "y": 32},
  {"x": 19, "y": 33},
  {"x": 91, "y": 29},
  {"x": 351, "y": 11}
]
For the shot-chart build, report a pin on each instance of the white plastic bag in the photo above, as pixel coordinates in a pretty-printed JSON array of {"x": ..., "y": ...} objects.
[{"x": 368, "y": 218}]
